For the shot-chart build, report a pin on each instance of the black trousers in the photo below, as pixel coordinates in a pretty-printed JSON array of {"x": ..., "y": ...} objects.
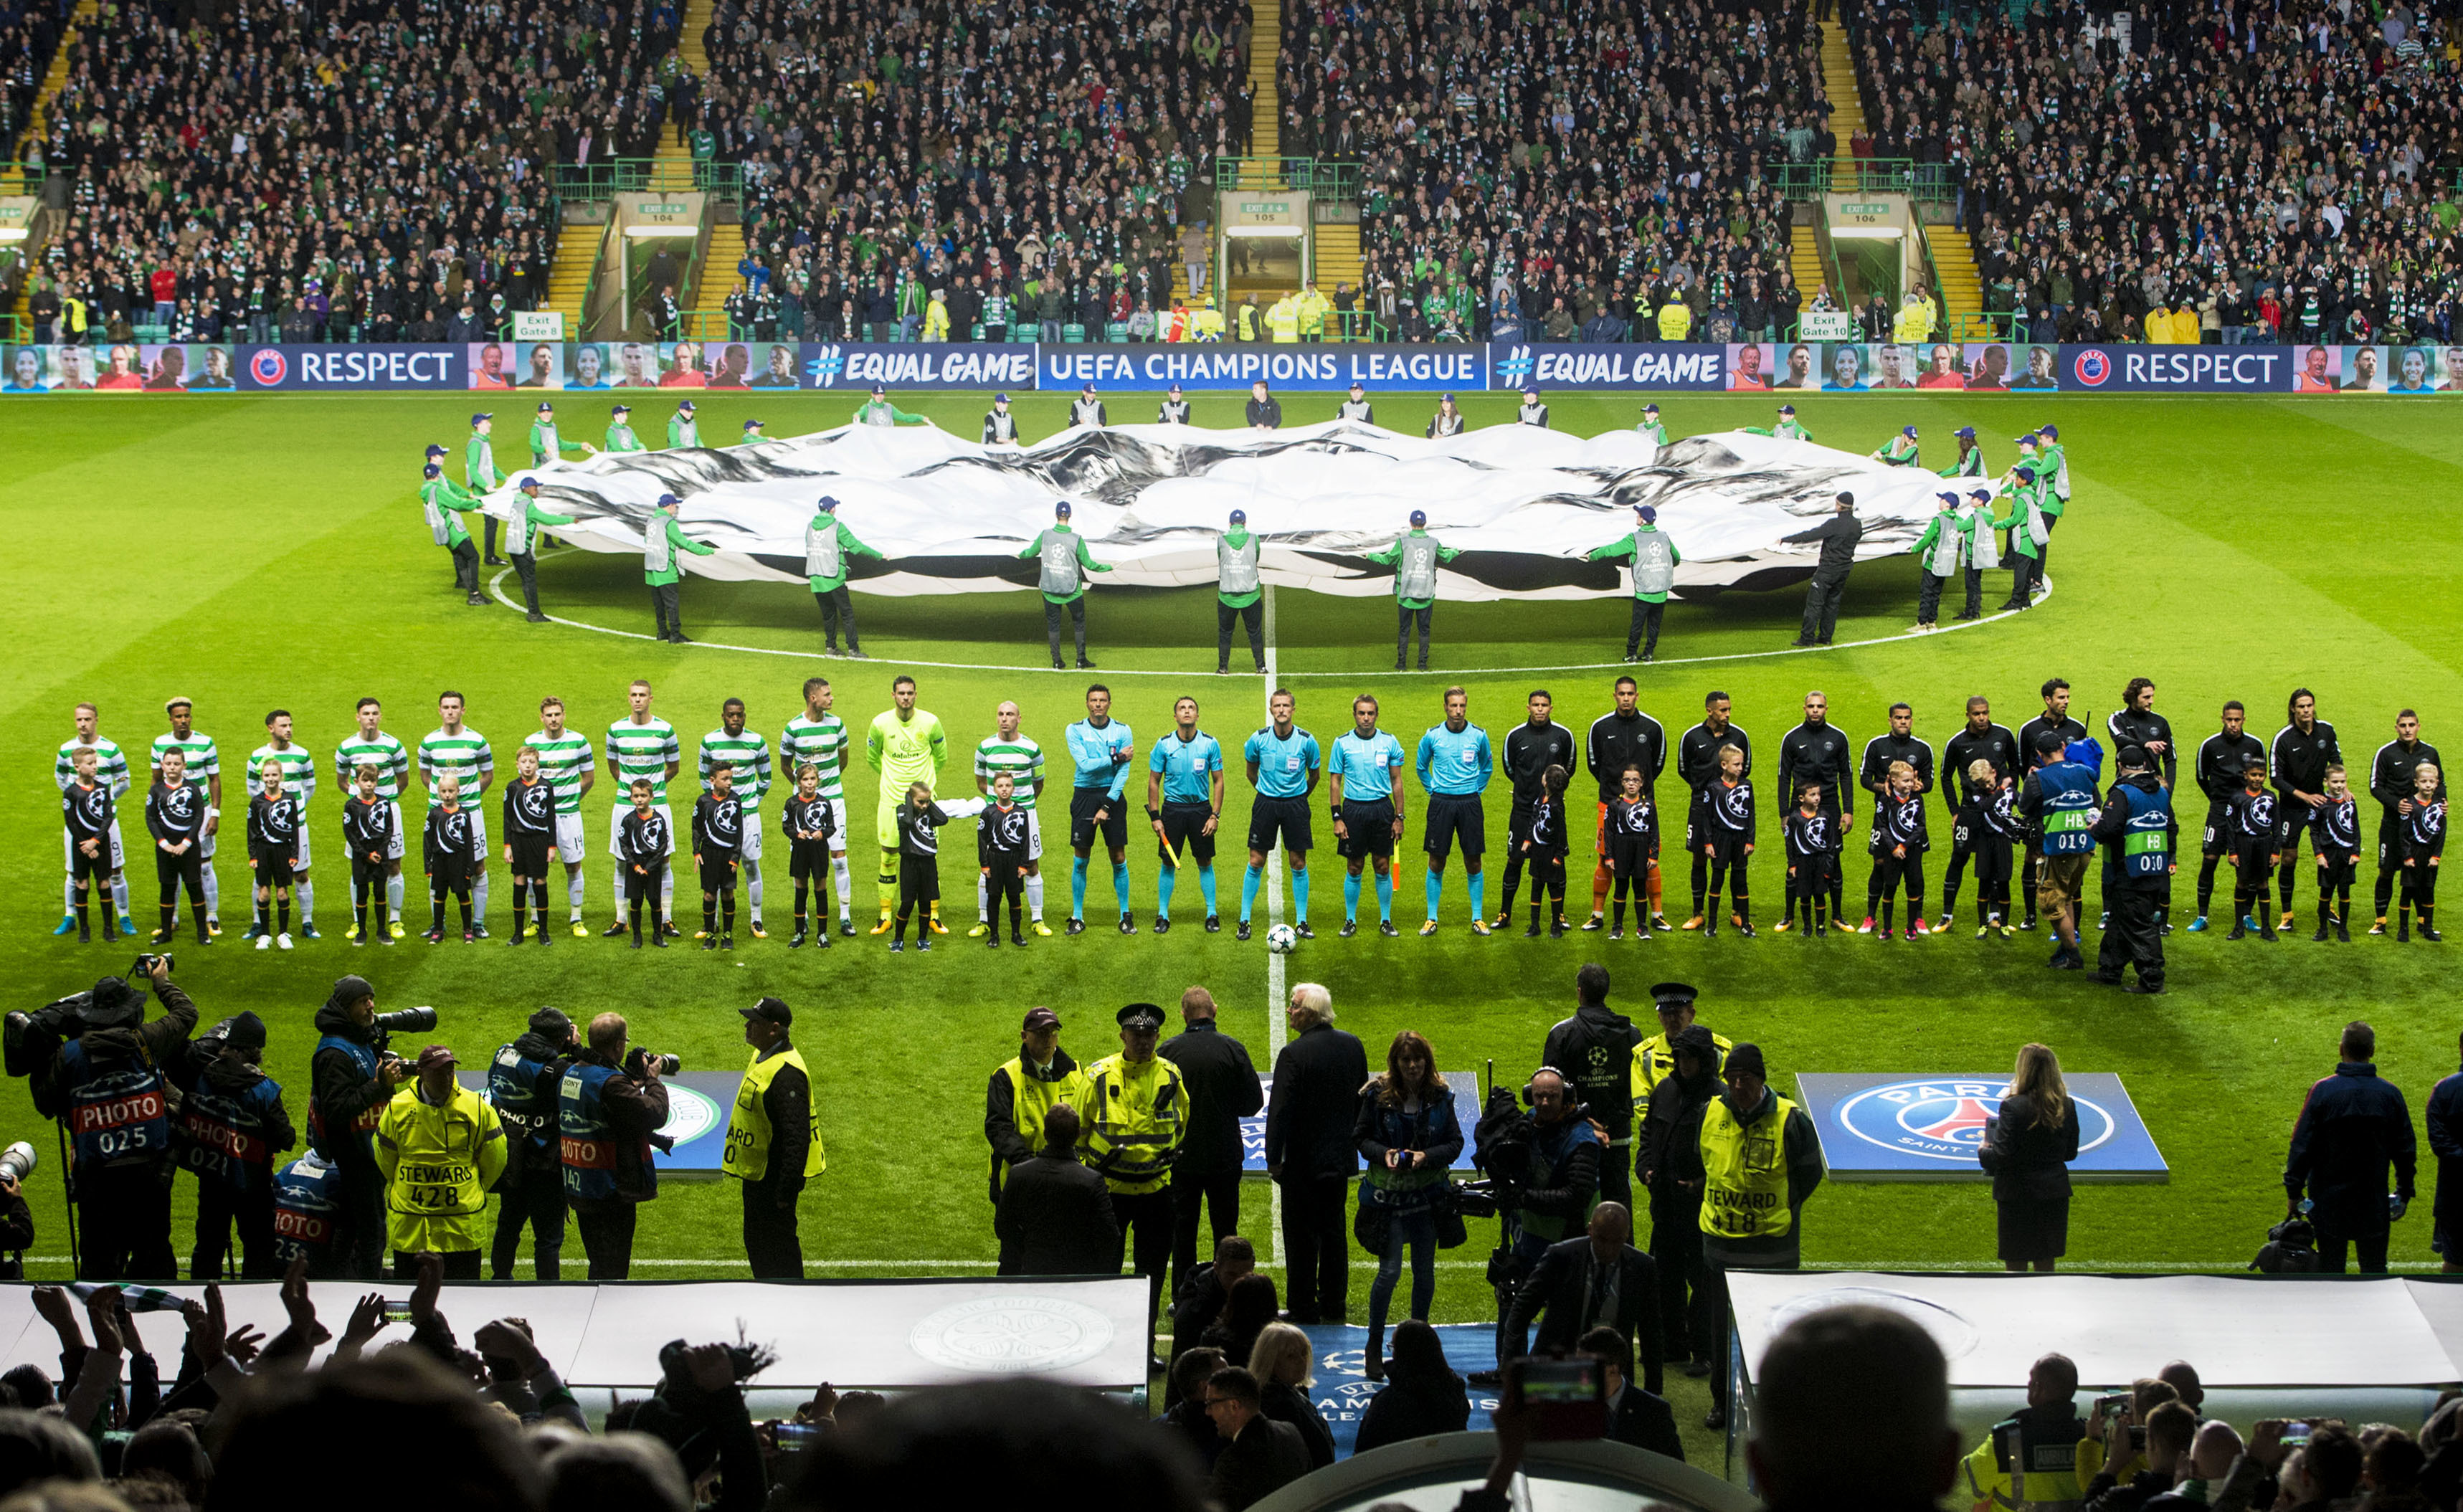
[
  {"x": 1075, "y": 609},
  {"x": 219, "y": 1206},
  {"x": 1219, "y": 1193},
  {"x": 1403, "y": 620},
  {"x": 606, "y": 1237},
  {"x": 1684, "y": 1293},
  {"x": 1254, "y": 615},
  {"x": 1929, "y": 597},
  {"x": 1316, "y": 1252},
  {"x": 667, "y": 603},
  {"x": 1975, "y": 595},
  {"x": 1616, "y": 1175},
  {"x": 2132, "y": 938},
  {"x": 460, "y": 1264},
  {"x": 1643, "y": 629},
  {"x": 2389, "y": 864},
  {"x": 526, "y": 563},
  {"x": 838, "y": 609},
  {"x": 536, "y": 1202},
  {"x": 359, "y": 1227},
  {"x": 1146, "y": 1219},
  {"x": 465, "y": 566},
  {"x": 1822, "y": 598},
  {"x": 2369, "y": 1249},
  {"x": 771, "y": 1241},
  {"x": 490, "y": 535},
  {"x": 124, "y": 1223}
]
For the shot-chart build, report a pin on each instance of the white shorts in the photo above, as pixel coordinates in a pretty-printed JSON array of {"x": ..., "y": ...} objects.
[
  {"x": 751, "y": 849},
  {"x": 616, "y": 829},
  {"x": 206, "y": 845},
  {"x": 838, "y": 834},
  {"x": 68, "y": 851},
  {"x": 1035, "y": 834},
  {"x": 393, "y": 845},
  {"x": 569, "y": 844}
]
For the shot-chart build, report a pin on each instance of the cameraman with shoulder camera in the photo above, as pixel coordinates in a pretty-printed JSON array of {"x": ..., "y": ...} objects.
[
  {"x": 107, "y": 1080},
  {"x": 352, "y": 1077},
  {"x": 608, "y": 1109},
  {"x": 523, "y": 1080},
  {"x": 1544, "y": 1168}
]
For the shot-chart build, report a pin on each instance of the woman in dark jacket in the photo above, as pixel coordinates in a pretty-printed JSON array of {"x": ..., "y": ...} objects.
[
  {"x": 1422, "y": 1395},
  {"x": 2027, "y": 1150},
  {"x": 1254, "y": 1303},
  {"x": 1407, "y": 1130},
  {"x": 1280, "y": 1363}
]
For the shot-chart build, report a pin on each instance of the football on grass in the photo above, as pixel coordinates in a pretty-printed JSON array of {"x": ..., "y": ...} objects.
[{"x": 1282, "y": 939}]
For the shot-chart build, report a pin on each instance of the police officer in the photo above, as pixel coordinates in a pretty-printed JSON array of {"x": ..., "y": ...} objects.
[
  {"x": 1552, "y": 1193},
  {"x": 231, "y": 1126},
  {"x": 2030, "y": 1460},
  {"x": 350, "y": 1083},
  {"x": 1038, "y": 1078},
  {"x": 1596, "y": 1048},
  {"x": 2137, "y": 827},
  {"x": 772, "y": 1146},
  {"x": 609, "y": 1107},
  {"x": 108, "y": 1084},
  {"x": 1135, "y": 1120},
  {"x": 2223, "y": 758},
  {"x": 1672, "y": 1106},
  {"x": 1414, "y": 558},
  {"x": 522, "y": 1081},
  {"x": 441, "y": 1149},
  {"x": 2391, "y": 785},
  {"x": 1239, "y": 592},
  {"x": 1757, "y": 1160}
]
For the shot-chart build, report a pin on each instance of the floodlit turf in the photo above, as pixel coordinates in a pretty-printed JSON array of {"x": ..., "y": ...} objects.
[{"x": 255, "y": 552}]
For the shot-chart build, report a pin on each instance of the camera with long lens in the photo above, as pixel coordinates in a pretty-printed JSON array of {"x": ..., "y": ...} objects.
[
  {"x": 410, "y": 1021},
  {"x": 644, "y": 1060},
  {"x": 17, "y": 1162}
]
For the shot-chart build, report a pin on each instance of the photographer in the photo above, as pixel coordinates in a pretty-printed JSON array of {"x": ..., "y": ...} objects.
[
  {"x": 608, "y": 1111},
  {"x": 1543, "y": 1168},
  {"x": 232, "y": 1125},
  {"x": 522, "y": 1083},
  {"x": 352, "y": 1077},
  {"x": 106, "y": 1080}
]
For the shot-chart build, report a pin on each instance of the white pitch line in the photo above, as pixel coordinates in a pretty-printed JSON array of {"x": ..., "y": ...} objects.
[
  {"x": 497, "y": 586},
  {"x": 1275, "y": 992}
]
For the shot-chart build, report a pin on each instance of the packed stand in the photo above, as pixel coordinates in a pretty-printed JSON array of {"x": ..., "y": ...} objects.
[
  {"x": 333, "y": 171},
  {"x": 914, "y": 171},
  {"x": 29, "y": 33},
  {"x": 2269, "y": 174},
  {"x": 1573, "y": 173}
]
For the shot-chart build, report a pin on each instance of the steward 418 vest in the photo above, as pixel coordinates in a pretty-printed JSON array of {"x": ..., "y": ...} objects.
[{"x": 1744, "y": 1187}]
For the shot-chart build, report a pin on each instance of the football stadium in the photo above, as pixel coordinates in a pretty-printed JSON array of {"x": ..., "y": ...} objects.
[{"x": 1876, "y": 936}]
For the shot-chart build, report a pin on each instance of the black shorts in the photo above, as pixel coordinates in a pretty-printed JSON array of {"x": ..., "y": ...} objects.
[
  {"x": 1185, "y": 824},
  {"x": 1451, "y": 817},
  {"x": 530, "y": 854},
  {"x": 1083, "y": 828},
  {"x": 2217, "y": 839},
  {"x": 1370, "y": 823},
  {"x": 272, "y": 868},
  {"x": 717, "y": 870},
  {"x": 1285, "y": 817},
  {"x": 808, "y": 858}
]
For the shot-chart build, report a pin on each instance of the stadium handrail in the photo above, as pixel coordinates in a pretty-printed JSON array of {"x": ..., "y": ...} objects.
[
  {"x": 614, "y": 175},
  {"x": 1320, "y": 178},
  {"x": 1925, "y": 183}
]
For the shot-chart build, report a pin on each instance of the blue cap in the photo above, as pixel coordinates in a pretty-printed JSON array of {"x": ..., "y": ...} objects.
[
  {"x": 828, "y": 503},
  {"x": 1355, "y": 383},
  {"x": 1448, "y": 399},
  {"x": 1088, "y": 388},
  {"x": 2054, "y": 431},
  {"x": 485, "y": 415},
  {"x": 620, "y": 409},
  {"x": 2025, "y": 469},
  {"x": 433, "y": 471},
  {"x": 528, "y": 480},
  {"x": 545, "y": 406},
  {"x": 1787, "y": 409},
  {"x": 2027, "y": 440},
  {"x": 1001, "y": 399},
  {"x": 1529, "y": 392},
  {"x": 1945, "y": 496},
  {"x": 1649, "y": 515},
  {"x": 1906, "y": 430},
  {"x": 1650, "y": 409},
  {"x": 1965, "y": 433},
  {"x": 1175, "y": 388},
  {"x": 1239, "y": 517},
  {"x": 666, "y": 499},
  {"x": 434, "y": 450},
  {"x": 1419, "y": 517},
  {"x": 686, "y": 405},
  {"x": 877, "y": 391},
  {"x": 752, "y": 425},
  {"x": 1061, "y": 509},
  {"x": 1980, "y": 493}
]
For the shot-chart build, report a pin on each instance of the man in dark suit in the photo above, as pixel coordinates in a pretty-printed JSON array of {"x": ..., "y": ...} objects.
[
  {"x": 1635, "y": 1416},
  {"x": 1056, "y": 1216},
  {"x": 1223, "y": 1089},
  {"x": 2353, "y": 1133},
  {"x": 1310, "y": 1152},
  {"x": 1261, "y": 1457},
  {"x": 1598, "y": 1281}
]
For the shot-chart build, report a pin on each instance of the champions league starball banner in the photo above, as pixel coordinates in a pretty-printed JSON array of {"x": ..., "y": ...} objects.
[
  {"x": 1892, "y": 1127},
  {"x": 1521, "y": 506}
]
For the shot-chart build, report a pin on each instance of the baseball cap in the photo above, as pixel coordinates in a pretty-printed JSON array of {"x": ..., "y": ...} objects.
[
  {"x": 434, "y": 450},
  {"x": 1175, "y": 388},
  {"x": 685, "y": 406},
  {"x": 1061, "y": 508},
  {"x": 1144, "y": 1017},
  {"x": 2054, "y": 431},
  {"x": 1649, "y": 515},
  {"x": 877, "y": 391},
  {"x": 1965, "y": 433},
  {"x": 551, "y": 1020},
  {"x": 1001, "y": 399},
  {"x": 2025, "y": 469},
  {"x": 1787, "y": 409},
  {"x": 1906, "y": 430},
  {"x": 483, "y": 414},
  {"x": 620, "y": 409},
  {"x": 773, "y": 1009},
  {"x": 1529, "y": 392},
  {"x": 1447, "y": 397},
  {"x": 828, "y": 502},
  {"x": 545, "y": 406},
  {"x": 431, "y": 470},
  {"x": 1650, "y": 409},
  {"x": 2131, "y": 756},
  {"x": 1355, "y": 383},
  {"x": 526, "y": 481},
  {"x": 666, "y": 499},
  {"x": 1947, "y": 496},
  {"x": 752, "y": 425},
  {"x": 1040, "y": 1019},
  {"x": 434, "y": 1056},
  {"x": 1086, "y": 388},
  {"x": 1239, "y": 517},
  {"x": 1980, "y": 493},
  {"x": 1419, "y": 517}
]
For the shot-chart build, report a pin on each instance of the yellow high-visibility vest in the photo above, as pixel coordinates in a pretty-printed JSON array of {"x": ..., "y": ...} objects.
[{"x": 747, "y": 1128}]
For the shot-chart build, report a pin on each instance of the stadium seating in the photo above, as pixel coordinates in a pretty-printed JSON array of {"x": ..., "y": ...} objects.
[{"x": 2288, "y": 159}]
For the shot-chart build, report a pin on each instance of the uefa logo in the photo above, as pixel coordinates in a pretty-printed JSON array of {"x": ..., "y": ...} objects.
[
  {"x": 266, "y": 366},
  {"x": 1942, "y": 1117},
  {"x": 2092, "y": 367}
]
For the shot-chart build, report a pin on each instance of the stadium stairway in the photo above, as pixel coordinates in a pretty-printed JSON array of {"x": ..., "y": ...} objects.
[
  {"x": 13, "y": 179},
  {"x": 715, "y": 277},
  {"x": 1804, "y": 262},
  {"x": 1266, "y": 103},
  {"x": 1847, "y": 99},
  {"x": 1336, "y": 257},
  {"x": 568, "y": 277},
  {"x": 1962, "y": 287}
]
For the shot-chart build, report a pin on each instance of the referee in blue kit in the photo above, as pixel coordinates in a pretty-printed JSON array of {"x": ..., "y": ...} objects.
[
  {"x": 1185, "y": 807},
  {"x": 1455, "y": 765},
  {"x": 1361, "y": 773}
]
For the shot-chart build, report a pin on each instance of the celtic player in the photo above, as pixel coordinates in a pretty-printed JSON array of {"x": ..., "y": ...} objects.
[
  {"x": 565, "y": 765},
  {"x": 1007, "y": 751},
  {"x": 298, "y": 781},
  {"x": 204, "y": 763},
  {"x": 641, "y": 746},
  {"x": 369, "y": 745},
  {"x": 748, "y": 754},
  {"x": 110, "y": 768},
  {"x": 451, "y": 749},
  {"x": 817, "y": 737},
  {"x": 906, "y": 746}
]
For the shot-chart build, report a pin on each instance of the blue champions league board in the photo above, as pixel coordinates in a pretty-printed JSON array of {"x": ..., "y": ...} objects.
[{"x": 1894, "y": 1127}]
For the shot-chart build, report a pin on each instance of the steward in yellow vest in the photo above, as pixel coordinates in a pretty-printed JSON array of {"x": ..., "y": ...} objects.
[
  {"x": 771, "y": 1145},
  {"x": 1136, "y": 1118},
  {"x": 2031, "y": 1461},
  {"x": 1034, "y": 1081},
  {"x": 440, "y": 1149}
]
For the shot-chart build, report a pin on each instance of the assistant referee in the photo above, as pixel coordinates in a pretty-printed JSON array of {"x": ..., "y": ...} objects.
[{"x": 1454, "y": 764}]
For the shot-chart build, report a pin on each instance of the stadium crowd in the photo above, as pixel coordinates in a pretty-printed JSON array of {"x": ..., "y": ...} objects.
[
  {"x": 2273, "y": 171},
  {"x": 337, "y": 172}
]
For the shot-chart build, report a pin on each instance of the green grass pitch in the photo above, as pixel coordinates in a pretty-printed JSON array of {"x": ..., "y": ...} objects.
[{"x": 260, "y": 552}]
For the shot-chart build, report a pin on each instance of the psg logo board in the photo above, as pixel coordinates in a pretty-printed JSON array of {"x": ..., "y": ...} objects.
[{"x": 1895, "y": 1127}]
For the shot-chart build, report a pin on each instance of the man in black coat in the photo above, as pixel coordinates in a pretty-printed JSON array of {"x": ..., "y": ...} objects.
[
  {"x": 2353, "y": 1127},
  {"x": 1838, "y": 536},
  {"x": 1638, "y": 1417},
  {"x": 1223, "y": 1089},
  {"x": 1056, "y": 1216},
  {"x": 1595, "y": 1050},
  {"x": 350, "y": 1084},
  {"x": 1310, "y": 1153},
  {"x": 1261, "y": 1457},
  {"x": 1598, "y": 1281},
  {"x": 2444, "y": 1116},
  {"x": 106, "y": 1088}
]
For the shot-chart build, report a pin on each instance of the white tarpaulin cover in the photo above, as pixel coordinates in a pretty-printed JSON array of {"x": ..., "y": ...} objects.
[
  {"x": 872, "y": 1333},
  {"x": 1523, "y": 505},
  {"x": 2253, "y": 1333}
]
